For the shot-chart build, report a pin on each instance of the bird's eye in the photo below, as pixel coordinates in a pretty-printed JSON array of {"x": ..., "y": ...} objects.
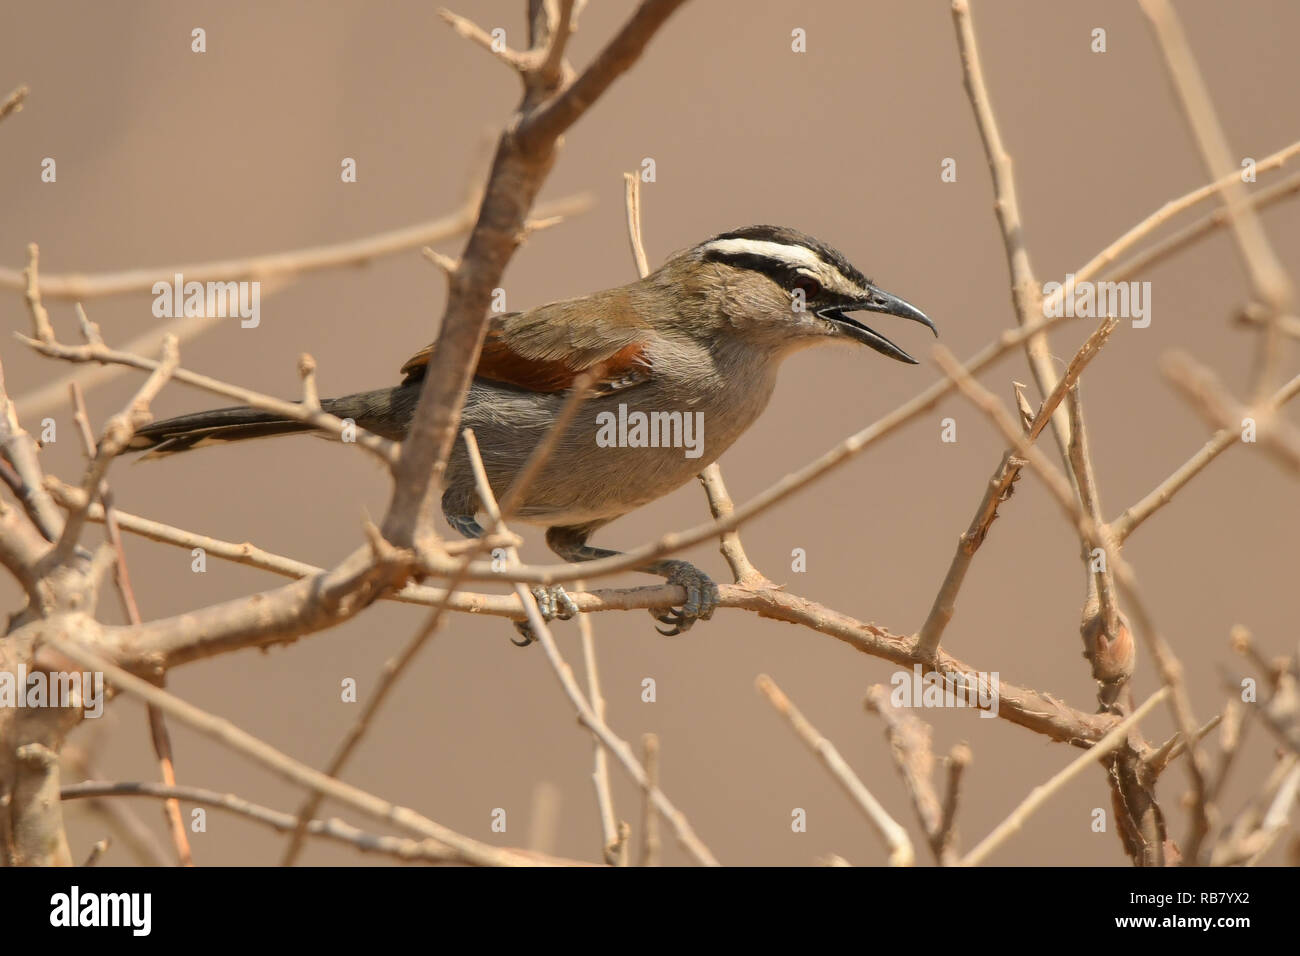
[{"x": 809, "y": 286}]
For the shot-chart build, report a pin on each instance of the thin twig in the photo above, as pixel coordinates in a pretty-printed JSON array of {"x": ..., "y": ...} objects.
[
  {"x": 909, "y": 745},
  {"x": 632, "y": 199},
  {"x": 586, "y": 715},
  {"x": 1126, "y": 523},
  {"x": 1211, "y": 399},
  {"x": 307, "y": 372},
  {"x": 157, "y": 726},
  {"x": 720, "y": 503},
  {"x": 1268, "y": 277},
  {"x": 382, "y": 448},
  {"x": 614, "y": 849},
  {"x": 134, "y": 834},
  {"x": 279, "y": 265},
  {"x": 118, "y": 432},
  {"x": 998, "y": 490},
  {"x": 1037, "y": 712},
  {"x": 1105, "y": 641},
  {"x": 273, "y": 272},
  {"x": 1040, "y": 794},
  {"x": 891, "y": 833},
  {"x": 97, "y": 850},
  {"x": 959, "y": 758},
  {"x": 223, "y": 731},
  {"x": 721, "y": 506},
  {"x": 525, "y": 153},
  {"x": 649, "y": 814},
  {"x": 1176, "y": 746},
  {"x": 32, "y": 293},
  {"x": 471, "y": 31},
  {"x": 396, "y": 666},
  {"x": 1026, "y": 292},
  {"x": 1167, "y": 664},
  {"x": 400, "y": 848},
  {"x": 13, "y": 103},
  {"x": 26, "y": 478}
]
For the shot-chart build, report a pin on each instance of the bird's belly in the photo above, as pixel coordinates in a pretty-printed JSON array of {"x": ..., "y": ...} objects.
[
  {"x": 620, "y": 452},
  {"x": 595, "y": 474},
  {"x": 594, "y": 488}
]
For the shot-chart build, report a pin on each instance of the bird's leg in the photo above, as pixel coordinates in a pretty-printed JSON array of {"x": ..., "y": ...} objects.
[
  {"x": 702, "y": 597},
  {"x": 553, "y": 602}
]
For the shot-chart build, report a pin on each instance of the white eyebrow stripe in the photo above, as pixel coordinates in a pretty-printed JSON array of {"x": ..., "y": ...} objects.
[{"x": 795, "y": 256}]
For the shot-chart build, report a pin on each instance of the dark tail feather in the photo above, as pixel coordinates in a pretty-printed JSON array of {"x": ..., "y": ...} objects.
[
  {"x": 219, "y": 426},
  {"x": 386, "y": 412}
]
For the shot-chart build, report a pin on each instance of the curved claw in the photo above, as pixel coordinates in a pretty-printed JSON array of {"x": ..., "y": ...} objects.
[
  {"x": 554, "y": 603},
  {"x": 701, "y": 599}
]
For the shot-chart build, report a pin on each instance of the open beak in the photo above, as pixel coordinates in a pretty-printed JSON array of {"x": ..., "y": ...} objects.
[{"x": 878, "y": 301}]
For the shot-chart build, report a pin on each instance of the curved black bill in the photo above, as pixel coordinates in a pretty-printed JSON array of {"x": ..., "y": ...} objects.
[{"x": 878, "y": 301}]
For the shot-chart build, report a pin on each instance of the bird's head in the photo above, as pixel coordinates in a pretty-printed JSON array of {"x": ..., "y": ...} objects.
[{"x": 784, "y": 288}]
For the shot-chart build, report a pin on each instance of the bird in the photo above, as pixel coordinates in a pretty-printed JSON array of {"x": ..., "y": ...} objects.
[{"x": 677, "y": 365}]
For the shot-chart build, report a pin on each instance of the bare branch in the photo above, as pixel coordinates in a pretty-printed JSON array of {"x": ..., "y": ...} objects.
[
  {"x": 618, "y": 56},
  {"x": 381, "y": 448},
  {"x": 117, "y": 435},
  {"x": 1268, "y": 277},
  {"x": 1040, "y": 795},
  {"x": 275, "y": 265},
  {"x": 722, "y": 507},
  {"x": 40, "y": 318},
  {"x": 613, "y": 847},
  {"x": 649, "y": 814},
  {"x": 157, "y": 726},
  {"x": 13, "y": 103},
  {"x": 476, "y": 34},
  {"x": 1162, "y": 494},
  {"x": 1026, "y": 292},
  {"x": 586, "y": 715},
  {"x": 523, "y": 158},
  {"x": 959, "y": 758},
  {"x": 1200, "y": 386},
  {"x": 632, "y": 189},
  {"x": 891, "y": 834},
  {"x": 28, "y": 483},
  {"x": 997, "y": 491},
  {"x": 1170, "y": 669},
  {"x": 407, "y": 850},
  {"x": 909, "y": 745},
  {"x": 465, "y": 849}
]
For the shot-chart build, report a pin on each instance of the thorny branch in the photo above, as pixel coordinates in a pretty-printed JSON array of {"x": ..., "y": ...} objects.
[{"x": 40, "y": 547}]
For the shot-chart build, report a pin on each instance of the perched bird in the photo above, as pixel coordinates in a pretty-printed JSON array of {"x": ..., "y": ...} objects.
[{"x": 686, "y": 359}]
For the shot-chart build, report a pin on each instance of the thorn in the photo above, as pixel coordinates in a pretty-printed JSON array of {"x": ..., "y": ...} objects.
[
  {"x": 1027, "y": 414},
  {"x": 523, "y": 62},
  {"x": 89, "y": 330},
  {"x": 444, "y": 262},
  {"x": 307, "y": 372}
]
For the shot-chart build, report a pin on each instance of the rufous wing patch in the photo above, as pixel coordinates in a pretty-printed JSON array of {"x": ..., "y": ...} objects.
[
  {"x": 500, "y": 363},
  {"x": 416, "y": 364}
]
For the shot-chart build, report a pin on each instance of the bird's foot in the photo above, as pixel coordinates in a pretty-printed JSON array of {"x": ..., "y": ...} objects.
[
  {"x": 701, "y": 597},
  {"x": 554, "y": 603}
]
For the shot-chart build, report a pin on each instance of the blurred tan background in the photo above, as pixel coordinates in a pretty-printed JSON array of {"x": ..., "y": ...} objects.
[{"x": 166, "y": 156}]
